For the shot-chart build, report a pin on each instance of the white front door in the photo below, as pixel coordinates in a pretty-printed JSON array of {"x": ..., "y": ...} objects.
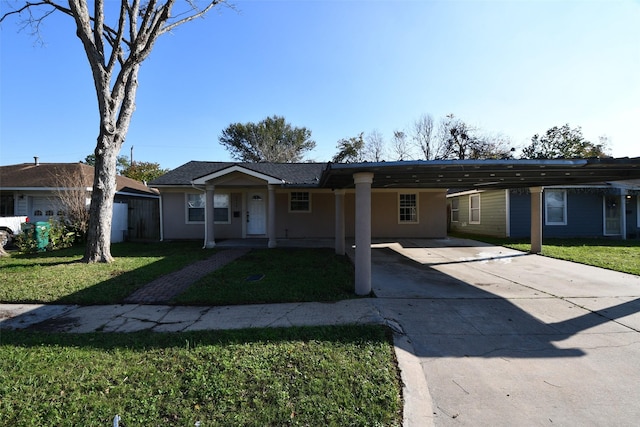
[{"x": 256, "y": 214}]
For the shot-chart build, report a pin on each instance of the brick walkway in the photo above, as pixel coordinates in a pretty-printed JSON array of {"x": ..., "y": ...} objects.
[{"x": 164, "y": 288}]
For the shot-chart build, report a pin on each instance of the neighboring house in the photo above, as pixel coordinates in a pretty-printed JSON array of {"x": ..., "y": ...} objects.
[
  {"x": 33, "y": 190},
  {"x": 247, "y": 196},
  {"x": 610, "y": 209}
]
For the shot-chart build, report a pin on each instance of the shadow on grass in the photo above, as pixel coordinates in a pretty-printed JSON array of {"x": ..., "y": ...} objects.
[
  {"x": 43, "y": 282},
  {"x": 146, "y": 340}
]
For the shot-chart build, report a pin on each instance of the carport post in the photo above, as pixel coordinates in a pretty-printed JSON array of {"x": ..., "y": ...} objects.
[
  {"x": 340, "y": 234},
  {"x": 536, "y": 219},
  {"x": 363, "y": 182},
  {"x": 209, "y": 240}
]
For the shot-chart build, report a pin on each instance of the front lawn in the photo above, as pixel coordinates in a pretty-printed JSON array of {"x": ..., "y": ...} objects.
[
  {"x": 333, "y": 376},
  {"x": 261, "y": 276},
  {"x": 618, "y": 255},
  {"x": 60, "y": 277},
  {"x": 276, "y": 275}
]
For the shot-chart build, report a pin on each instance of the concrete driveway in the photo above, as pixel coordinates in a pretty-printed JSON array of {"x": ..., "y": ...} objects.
[{"x": 507, "y": 338}]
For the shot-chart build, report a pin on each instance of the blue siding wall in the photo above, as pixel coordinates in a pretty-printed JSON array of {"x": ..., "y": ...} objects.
[
  {"x": 520, "y": 214},
  {"x": 584, "y": 216},
  {"x": 631, "y": 209}
]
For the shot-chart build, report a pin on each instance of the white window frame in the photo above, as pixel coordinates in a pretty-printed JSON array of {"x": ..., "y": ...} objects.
[
  {"x": 546, "y": 207},
  {"x": 291, "y": 200},
  {"x": 455, "y": 210},
  {"x": 187, "y": 207},
  {"x": 472, "y": 209},
  {"x": 415, "y": 215},
  {"x": 228, "y": 207}
]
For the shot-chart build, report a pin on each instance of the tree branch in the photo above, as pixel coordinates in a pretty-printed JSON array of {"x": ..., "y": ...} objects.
[{"x": 198, "y": 14}]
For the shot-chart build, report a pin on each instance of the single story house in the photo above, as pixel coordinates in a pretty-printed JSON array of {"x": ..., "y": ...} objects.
[
  {"x": 215, "y": 200},
  {"x": 33, "y": 190},
  {"x": 608, "y": 209}
]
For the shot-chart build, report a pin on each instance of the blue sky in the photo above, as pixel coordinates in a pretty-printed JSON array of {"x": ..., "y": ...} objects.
[{"x": 338, "y": 68}]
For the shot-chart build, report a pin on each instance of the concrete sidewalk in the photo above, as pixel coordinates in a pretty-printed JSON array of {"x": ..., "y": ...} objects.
[{"x": 164, "y": 318}]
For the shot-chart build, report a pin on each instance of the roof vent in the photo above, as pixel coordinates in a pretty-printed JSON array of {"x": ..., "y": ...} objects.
[{"x": 36, "y": 160}]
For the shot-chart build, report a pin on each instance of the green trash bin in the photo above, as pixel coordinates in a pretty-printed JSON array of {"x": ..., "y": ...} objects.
[{"x": 41, "y": 234}]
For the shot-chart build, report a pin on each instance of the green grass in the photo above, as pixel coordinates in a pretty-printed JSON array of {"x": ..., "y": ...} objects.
[
  {"x": 288, "y": 275},
  {"x": 334, "y": 376},
  {"x": 618, "y": 255},
  {"x": 60, "y": 277}
]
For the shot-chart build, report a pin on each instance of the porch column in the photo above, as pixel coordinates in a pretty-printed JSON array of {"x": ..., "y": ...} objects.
[
  {"x": 536, "y": 219},
  {"x": 339, "y": 233},
  {"x": 271, "y": 225},
  {"x": 363, "y": 182},
  {"x": 209, "y": 222}
]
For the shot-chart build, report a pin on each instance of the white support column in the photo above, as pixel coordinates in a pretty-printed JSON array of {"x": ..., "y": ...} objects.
[
  {"x": 340, "y": 229},
  {"x": 209, "y": 222},
  {"x": 363, "y": 182},
  {"x": 536, "y": 219},
  {"x": 271, "y": 224}
]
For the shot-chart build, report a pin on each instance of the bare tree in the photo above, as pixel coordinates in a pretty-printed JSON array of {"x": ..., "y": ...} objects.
[
  {"x": 73, "y": 197},
  {"x": 374, "y": 149},
  {"x": 115, "y": 47},
  {"x": 460, "y": 141},
  {"x": 400, "y": 146},
  {"x": 423, "y": 135}
]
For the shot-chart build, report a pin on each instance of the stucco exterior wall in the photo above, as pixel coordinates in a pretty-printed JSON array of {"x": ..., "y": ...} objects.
[
  {"x": 173, "y": 218},
  {"x": 319, "y": 222},
  {"x": 432, "y": 215}
]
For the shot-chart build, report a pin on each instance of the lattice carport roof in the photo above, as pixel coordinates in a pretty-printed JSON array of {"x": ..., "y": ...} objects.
[{"x": 482, "y": 173}]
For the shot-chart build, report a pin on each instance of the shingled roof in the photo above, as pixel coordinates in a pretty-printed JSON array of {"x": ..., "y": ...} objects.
[
  {"x": 297, "y": 174},
  {"x": 52, "y": 175}
]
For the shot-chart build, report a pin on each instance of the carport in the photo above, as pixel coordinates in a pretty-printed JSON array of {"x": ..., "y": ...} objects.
[{"x": 469, "y": 174}]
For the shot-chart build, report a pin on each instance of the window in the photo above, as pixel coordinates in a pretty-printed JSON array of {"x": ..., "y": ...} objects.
[
  {"x": 555, "y": 207},
  {"x": 299, "y": 201},
  {"x": 455, "y": 209},
  {"x": 408, "y": 211},
  {"x": 221, "y": 208},
  {"x": 37, "y": 212},
  {"x": 49, "y": 212},
  {"x": 195, "y": 207},
  {"x": 474, "y": 209}
]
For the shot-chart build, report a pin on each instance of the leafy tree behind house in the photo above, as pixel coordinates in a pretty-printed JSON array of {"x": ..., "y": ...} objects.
[
  {"x": 116, "y": 41},
  {"x": 350, "y": 150},
  {"x": 122, "y": 162},
  {"x": 144, "y": 171},
  {"x": 271, "y": 140},
  {"x": 563, "y": 143}
]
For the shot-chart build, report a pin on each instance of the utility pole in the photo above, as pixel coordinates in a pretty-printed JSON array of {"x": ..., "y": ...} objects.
[{"x": 131, "y": 156}]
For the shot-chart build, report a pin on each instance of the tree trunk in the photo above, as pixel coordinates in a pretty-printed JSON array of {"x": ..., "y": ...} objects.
[
  {"x": 112, "y": 135},
  {"x": 98, "y": 248}
]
